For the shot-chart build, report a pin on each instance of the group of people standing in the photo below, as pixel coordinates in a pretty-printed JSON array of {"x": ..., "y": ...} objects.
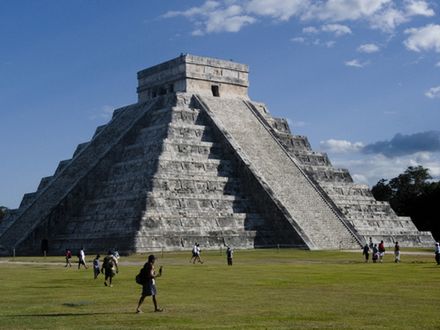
[
  {"x": 109, "y": 265},
  {"x": 378, "y": 251}
]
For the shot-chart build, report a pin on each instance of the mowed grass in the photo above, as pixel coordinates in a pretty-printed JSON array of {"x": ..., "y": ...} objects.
[{"x": 273, "y": 289}]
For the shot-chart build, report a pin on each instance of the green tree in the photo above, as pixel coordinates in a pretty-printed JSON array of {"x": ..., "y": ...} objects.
[
  {"x": 413, "y": 194},
  {"x": 382, "y": 191}
]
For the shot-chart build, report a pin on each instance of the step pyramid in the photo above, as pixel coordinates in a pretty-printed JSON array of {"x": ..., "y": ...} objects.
[{"x": 195, "y": 160}]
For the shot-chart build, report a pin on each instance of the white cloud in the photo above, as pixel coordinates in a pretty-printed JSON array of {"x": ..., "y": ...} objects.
[
  {"x": 388, "y": 19},
  {"x": 433, "y": 92},
  {"x": 280, "y": 10},
  {"x": 207, "y": 7},
  {"x": 341, "y": 10},
  {"x": 417, "y": 7},
  {"x": 370, "y": 169},
  {"x": 212, "y": 18},
  {"x": 424, "y": 38},
  {"x": 310, "y": 29},
  {"x": 340, "y": 146},
  {"x": 298, "y": 39},
  {"x": 337, "y": 29},
  {"x": 233, "y": 15},
  {"x": 368, "y": 48},
  {"x": 437, "y": 64},
  {"x": 356, "y": 63}
]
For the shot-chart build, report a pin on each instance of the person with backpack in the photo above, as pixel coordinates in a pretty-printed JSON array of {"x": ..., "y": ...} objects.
[
  {"x": 366, "y": 252},
  {"x": 147, "y": 278},
  {"x": 109, "y": 268}
]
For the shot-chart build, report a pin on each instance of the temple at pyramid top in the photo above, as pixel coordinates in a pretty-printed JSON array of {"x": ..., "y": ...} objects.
[{"x": 194, "y": 74}]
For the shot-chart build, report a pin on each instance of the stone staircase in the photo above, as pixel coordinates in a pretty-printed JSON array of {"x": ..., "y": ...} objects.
[{"x": 307, "y": 209}]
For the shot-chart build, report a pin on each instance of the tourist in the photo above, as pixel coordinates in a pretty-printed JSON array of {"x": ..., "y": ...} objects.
[
  {"x": 96, "y": 266},
  {"x": 437, "y": 253},
  {"x": 149, "y": 283},
  {"x": 397, "y": 253},
  {"x": 370, "y": 243},
  {"x": 109, "y": 268},
  {"x": 366, "y": 252},
  {"x": 198, "y": 251},
  {"x": 381, "y": 251},
  {"x": 45, "y": 246},
  {"x": 229, "y": 253},
  {"x": 193, "y": 253},
  {"x": 82, "y": 258},
  {"x": 375, "y": 253},
  {"x": 68, "y": 256}
]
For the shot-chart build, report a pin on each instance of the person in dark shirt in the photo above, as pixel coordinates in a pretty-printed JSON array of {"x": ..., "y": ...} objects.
[{"x": 149, "y": 283}]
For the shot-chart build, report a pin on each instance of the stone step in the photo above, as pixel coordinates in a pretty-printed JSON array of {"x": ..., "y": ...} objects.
[
  {"x": 27, "y": 199},
  {"x": 344, "y": 199},
  {"x": 294, "y": 143},
  {"x": 188, "y": 167},
  {"x": 201, "y": 223},
  {"x": 186, "y": 115},
  {"x": 164, "y": 165},
  {"x": 61, "y": 165},
  {"x": 173, "y": 182},
  {"x": 44, "y": 182},
  {"x": 189, "y": 132},
  {"x": 353, "y": 214},
  {"x": 314, "y": 159},
  {"x": 80, "y": 147},
  {"x": 224, "y": 203},
  {"x": 328, "y": 174}
]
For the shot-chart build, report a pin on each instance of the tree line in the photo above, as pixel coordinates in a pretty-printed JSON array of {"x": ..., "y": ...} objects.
[{"x": 414, "y": 194}]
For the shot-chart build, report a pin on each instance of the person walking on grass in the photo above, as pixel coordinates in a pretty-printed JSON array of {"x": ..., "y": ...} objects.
[
  {"x": 229, "y": 254},
  {"x": 148, "y": 278},
  {"x": 96, "y": 266},
  {"x": 437, "y": 253},
  {"x": 193, "y": 253},
  {"x": 82, "y": 258},
  {"x": 381, "y": 251},
  {"x": 198, "y": 251},
  {"x": 366, "y": 252},
  {"x": 375, "y": 255},
  {"x": 68, "y": 256},
  {"x": 109, "y": 268},
  {"x": 396, "y": 253}
]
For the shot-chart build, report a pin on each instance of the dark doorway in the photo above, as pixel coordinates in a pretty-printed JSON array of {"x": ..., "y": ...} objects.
[{"x": 215, "y": 90}]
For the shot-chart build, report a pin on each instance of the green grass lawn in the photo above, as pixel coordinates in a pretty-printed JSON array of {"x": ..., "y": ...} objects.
[{"x": 271, "y": 289}]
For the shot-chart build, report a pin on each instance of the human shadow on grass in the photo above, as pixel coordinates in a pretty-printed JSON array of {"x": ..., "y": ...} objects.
[{"x": 63, "y": 314}]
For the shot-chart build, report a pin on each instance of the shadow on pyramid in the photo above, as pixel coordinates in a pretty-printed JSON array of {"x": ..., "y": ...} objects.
[{"x": 195, "y": 160}]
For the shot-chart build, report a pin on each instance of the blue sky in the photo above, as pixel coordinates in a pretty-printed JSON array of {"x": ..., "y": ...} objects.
[{"x": 360, "y": 78}]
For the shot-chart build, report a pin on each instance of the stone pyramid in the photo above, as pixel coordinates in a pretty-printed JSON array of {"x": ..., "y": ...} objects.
[{"x": 195, "y": 160}]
